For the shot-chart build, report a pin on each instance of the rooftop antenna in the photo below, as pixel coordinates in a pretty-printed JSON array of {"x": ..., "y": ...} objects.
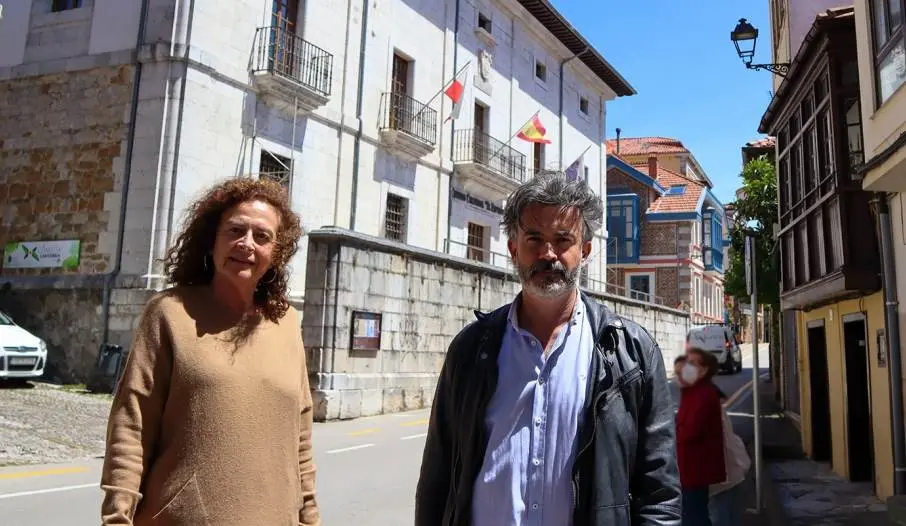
[{"x": 618, "y": 140}]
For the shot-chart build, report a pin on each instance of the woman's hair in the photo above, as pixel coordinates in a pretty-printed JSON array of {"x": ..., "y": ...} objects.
[
  {"x": 708, "y": 360},
  {"x": 186, "y": 261}
]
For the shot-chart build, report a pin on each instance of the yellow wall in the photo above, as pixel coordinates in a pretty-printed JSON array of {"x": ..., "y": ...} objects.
[{"x": 873, "y": 307}]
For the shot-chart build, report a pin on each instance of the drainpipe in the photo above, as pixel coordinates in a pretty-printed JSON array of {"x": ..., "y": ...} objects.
[
  {"x": 562, "y": 88},
  {"x": 357, "y": 146},
  {"x": 166, "y": 186},
  {"x": 891, "y": 321},
  {"x": 127, "y": 176},
  {"x": 447, "y": 244}
]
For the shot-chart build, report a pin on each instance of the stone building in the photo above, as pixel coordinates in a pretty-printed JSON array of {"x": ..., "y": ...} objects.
[
  {"x": 117, "y": 113},
  {"x": 666, "y": 228}
]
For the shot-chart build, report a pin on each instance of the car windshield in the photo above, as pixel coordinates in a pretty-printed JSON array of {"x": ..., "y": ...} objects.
[{"x": 5, "y": 320}]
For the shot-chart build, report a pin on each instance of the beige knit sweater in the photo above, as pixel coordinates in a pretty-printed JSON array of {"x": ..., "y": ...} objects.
[{"x": 207, "y": 427}]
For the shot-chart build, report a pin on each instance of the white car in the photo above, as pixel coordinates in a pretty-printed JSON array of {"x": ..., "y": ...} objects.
[
  {"x": 718, "y": 340},
  {"x": 22, "y": 354}
]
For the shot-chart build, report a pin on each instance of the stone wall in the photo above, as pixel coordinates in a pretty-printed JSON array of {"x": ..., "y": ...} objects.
[
  {"x": 424, "y": 299},
  {"x": 60, "y": 137},
  {"x": 66, "y": 313}
]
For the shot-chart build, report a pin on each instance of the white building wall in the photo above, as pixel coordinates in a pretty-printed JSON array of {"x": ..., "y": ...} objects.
[{"x": 223, "y": 124}]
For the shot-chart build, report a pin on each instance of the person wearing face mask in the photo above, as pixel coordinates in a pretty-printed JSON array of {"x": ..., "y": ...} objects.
[
  {"x": 537, "y": 401},
  {"x": 699, "y": 433}
]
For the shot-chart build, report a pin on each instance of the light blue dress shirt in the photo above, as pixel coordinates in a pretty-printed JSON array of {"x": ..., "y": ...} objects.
[{"x": 532, "y": 422}]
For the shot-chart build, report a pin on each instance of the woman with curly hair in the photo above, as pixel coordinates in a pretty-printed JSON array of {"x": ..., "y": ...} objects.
[{"x": 211, "y": 422}]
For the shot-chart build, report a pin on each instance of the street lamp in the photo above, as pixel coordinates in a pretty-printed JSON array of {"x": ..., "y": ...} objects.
[{"x": 744, "y": 38}]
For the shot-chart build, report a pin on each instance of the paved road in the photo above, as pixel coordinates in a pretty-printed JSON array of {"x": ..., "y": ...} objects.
[{"x": 367, "y": 470}]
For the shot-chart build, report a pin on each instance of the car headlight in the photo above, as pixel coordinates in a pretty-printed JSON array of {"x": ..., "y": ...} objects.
[{"x": 42, "y": 346}]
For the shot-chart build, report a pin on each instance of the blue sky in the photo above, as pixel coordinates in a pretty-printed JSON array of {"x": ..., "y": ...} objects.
[{"x": 691, "y": 84}]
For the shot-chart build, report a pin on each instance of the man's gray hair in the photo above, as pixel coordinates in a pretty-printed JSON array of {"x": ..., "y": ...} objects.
[{"x": 552, "y": 188}]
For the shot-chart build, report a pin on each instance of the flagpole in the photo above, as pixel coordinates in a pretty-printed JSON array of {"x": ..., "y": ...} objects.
[
  {"x": 445, "y": 86},
  {"x": 578, "y": 157},
  {"x": 514, "y": 135}
]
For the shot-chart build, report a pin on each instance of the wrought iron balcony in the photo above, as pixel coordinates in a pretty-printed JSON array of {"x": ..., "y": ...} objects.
[
  {"x": 408, "y": 126},
  {"x": 486, "y": 166},
  {"x": 292, "y": 68}
]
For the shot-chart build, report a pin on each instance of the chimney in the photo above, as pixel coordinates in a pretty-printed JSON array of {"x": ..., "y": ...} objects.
[
  {"x": 652, "y": 166},
  {"x": 618, "y": 141}
]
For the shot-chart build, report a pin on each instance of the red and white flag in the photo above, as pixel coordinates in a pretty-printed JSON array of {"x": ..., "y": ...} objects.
[{"x": 455, "y": 91}]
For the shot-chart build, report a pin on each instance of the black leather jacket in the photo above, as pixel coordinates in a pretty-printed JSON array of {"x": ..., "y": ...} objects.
[{"x": 625, "y": 471}]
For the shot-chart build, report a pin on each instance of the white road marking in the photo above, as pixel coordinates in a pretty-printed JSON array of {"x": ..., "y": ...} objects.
[
  {"x": 49, "y": 490},
  {"x": 352, "y": 448},
  {"x": 410, "y": 437}
]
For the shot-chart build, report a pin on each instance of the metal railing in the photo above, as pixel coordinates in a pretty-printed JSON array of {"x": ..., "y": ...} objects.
[
  {"x": 596, "y": 285},
  {"x": 483, "y": 255},
  {"x": 403, "y": 113},
  {"x": 281, "y": 52},
  {"x": 473, "y": 146}
]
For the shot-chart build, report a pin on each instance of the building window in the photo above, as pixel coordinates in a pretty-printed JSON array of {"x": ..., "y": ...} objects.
[
  {"x": 476, "y": 243},
  {"x": 274, "y": 167},
  {"x": 540, "y": 71},
  {"x": 640, "y": 286},
  {"x": 484, "y": 22},
  {"x": 890, "y": 46},
  {"x": 395, "y": 219},
  {"x": 677, "y": 189},
  {"x": 583, "y": 105},
  {"x": 853, "y": 113},
  {"x": 623, "y": 227},
  {"x": 64, "y": 5},
  {"x": 538, "y": 157}
]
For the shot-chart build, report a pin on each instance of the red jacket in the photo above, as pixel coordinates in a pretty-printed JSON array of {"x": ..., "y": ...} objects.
[{"x": 700, "y": 437}]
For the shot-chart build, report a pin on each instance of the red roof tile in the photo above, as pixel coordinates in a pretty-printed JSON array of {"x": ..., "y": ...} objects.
[
  {"x": 766, "y": 142},
  {"x": 685, "y": 202},
  {"x": 646, "y": 145}
]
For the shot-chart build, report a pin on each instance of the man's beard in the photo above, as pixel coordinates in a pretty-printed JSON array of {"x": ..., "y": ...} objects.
[{"x": 559, "y": 282}]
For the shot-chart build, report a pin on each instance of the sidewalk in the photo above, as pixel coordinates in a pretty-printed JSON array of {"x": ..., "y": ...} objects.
[{"x": 799, "y": 492}]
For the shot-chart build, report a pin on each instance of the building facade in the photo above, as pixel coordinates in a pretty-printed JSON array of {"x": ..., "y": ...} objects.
[
  {"x": 135, "y": 107},
  {"x": 666, "y": 228},
  {"x": 881, "y": 46},
  {"x": 830, "y": 257}
]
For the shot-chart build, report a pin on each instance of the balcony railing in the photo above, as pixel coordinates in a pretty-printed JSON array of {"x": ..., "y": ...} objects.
[
  {"x": 281, "y": 52},
  {"x": 713, "y": 258},
  {"x": 473, "y": 146},
  {"x": 401, "y": 112}
]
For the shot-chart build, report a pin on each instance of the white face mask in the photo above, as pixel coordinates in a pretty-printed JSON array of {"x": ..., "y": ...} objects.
[{"x": 689, "y": 374}]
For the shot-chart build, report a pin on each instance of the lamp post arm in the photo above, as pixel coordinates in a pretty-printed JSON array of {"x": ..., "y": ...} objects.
[{"x": 777, "y": 69}]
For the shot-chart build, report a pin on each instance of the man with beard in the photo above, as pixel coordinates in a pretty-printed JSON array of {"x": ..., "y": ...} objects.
[{"x": 552, "y": 410}]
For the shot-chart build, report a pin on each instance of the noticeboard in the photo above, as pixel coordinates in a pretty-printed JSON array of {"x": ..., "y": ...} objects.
[{"x": 366, "y": 331}]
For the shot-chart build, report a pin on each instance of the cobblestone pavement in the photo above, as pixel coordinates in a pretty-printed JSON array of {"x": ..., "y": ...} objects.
[{"x": 40, "y": 423}]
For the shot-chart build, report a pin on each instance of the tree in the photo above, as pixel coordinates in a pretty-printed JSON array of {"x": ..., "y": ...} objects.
[{"x": 759, "y": 203}]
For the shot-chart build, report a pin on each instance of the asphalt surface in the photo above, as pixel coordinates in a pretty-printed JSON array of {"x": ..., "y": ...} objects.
[{"x": 367, "y": 469}]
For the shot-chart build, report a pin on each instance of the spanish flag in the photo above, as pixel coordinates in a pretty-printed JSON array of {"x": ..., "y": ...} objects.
[{"x": 534, "y": 131}]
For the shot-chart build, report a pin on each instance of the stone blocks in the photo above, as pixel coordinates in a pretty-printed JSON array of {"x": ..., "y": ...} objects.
[{"x": 425, "y": 298}]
